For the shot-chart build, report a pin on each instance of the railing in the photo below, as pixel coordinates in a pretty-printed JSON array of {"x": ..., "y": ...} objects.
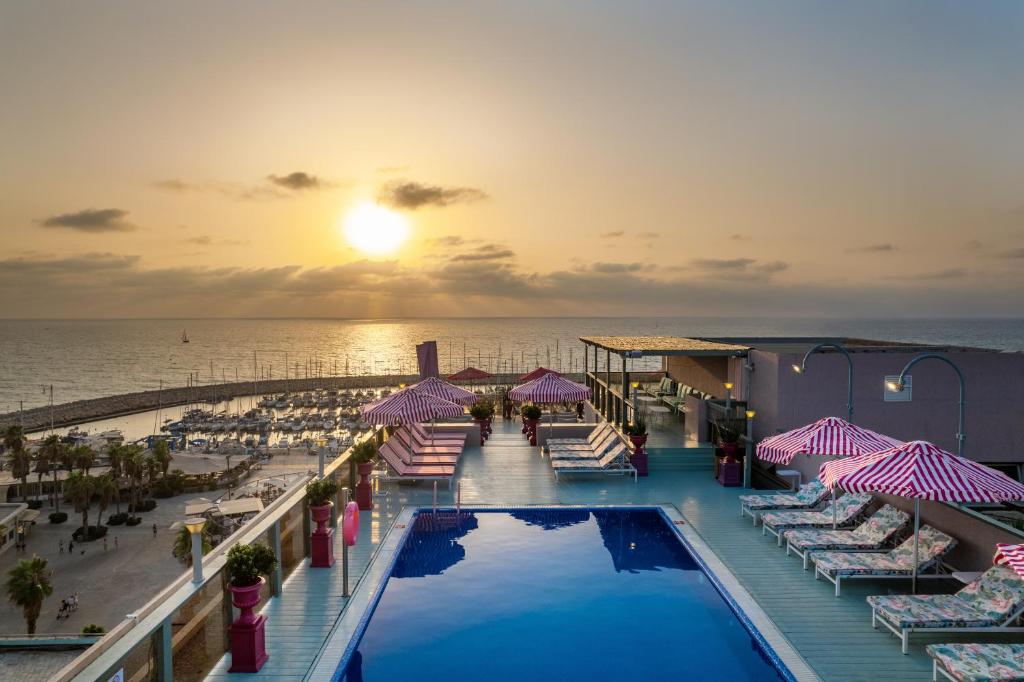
[{"x": 182, "y": 632}]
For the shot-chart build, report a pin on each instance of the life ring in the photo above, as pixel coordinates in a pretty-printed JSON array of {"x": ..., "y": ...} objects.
[{"x": 350, "y": 524}]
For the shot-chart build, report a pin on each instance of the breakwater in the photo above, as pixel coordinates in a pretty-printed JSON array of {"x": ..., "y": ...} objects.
[{"x": 82, "y": 411}]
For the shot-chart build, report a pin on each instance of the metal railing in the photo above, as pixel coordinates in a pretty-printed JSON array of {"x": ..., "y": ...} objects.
[{"x": 182, "y": 632}]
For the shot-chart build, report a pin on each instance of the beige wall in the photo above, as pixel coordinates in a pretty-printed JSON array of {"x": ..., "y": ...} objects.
[{"x": 706, "y": 374}]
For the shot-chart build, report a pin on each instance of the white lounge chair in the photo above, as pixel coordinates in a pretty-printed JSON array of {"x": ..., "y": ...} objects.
[{"x": 614, "y": 462}]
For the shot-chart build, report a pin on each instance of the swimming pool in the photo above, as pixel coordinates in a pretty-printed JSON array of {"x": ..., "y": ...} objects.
[{"x": 568, "y": 594}]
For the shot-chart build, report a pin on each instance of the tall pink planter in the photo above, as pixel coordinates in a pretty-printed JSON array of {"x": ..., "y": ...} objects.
[
  {"x": 248, "y": 636},
  {"x": 321, "y": 540}
]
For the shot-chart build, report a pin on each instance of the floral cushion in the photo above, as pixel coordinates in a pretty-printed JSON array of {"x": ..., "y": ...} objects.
[
  {"x": 848, "y": 507},
  {"x": 929, "y": 611},
  {"x": 809, "y": 495},
  {"x": 933, "y": 546},
  {"x": 997, "y": 593},
  {"x": 873, "y": 533},
  {"x": 980, "y": 662}
]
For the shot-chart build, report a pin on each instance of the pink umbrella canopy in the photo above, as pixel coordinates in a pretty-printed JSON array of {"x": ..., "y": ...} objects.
[
  {"x": 537, "y": 374},
  {"x": 409, "y": 405},
  {"x": 1012, "y": 556},
  {"x": 550, "y": 388},
  {"x": 470, "y": 374},
  {"x": 828, "y": 436},
  {"x": 921, "y": 470},
  {"x": 441, "y": 389}
]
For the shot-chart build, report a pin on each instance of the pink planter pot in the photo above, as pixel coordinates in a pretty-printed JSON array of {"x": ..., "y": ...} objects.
[
  {"x": 639, "y": 456},
  {"x": 364, "y": 495},
  {"x": 531, "y": 429},
  {"x": 248, "y": 633},
  {"x": 321, "y": 540},
  {"x": 483, "y": 430}
]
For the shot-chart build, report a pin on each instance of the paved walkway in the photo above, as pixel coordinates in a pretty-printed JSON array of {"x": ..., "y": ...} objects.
[{"x": 834, "y": 635}]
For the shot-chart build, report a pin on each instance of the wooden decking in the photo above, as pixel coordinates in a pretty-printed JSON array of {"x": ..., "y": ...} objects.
[{"x": 833, "y": 634}]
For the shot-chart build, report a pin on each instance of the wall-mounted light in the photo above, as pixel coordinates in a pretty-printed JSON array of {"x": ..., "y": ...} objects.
[
  {"x": 728, "y": 385},
  {"x": 751, "y": 414},
  {"x": 797, "y": 368}
]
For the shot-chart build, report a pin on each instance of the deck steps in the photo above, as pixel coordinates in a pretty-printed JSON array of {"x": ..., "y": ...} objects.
[{"x": 680, "y": 459}]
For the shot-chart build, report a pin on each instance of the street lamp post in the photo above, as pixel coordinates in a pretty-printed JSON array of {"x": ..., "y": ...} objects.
[
  {"x": 748, "y": 459},
  {"x": 802, "y": 368},
  {"x": 897, "y": 385},
  {"x": 728, "y": 398},
  {"x": 195, "y": 527}
]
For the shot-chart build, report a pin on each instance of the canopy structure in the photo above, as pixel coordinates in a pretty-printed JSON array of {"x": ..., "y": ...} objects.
[
  {"x": 537, "y": 374},
  {"x": 550, "y": 388},
  {"x": 1012, "y": 556},
  {"x": 441, "y": 389},
  {"x": 826, "y": 437},
  {"x": 408, "y": 405},
  {"x": 830, "y": 436},
  {"x": 919, "y": 470},
  {"x": 470, "y": 374}
]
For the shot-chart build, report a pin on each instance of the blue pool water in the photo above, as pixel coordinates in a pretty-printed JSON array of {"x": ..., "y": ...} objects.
[{"x": 551, "y": 594}]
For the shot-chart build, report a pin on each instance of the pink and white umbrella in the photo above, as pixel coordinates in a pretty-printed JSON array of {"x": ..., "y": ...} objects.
[
  {"x": 920, "y": 470},
  {"x": 408, "y": 405},
  {"x": 549, "y": 388},
  {"x": 443, "y": 389},
  {"x": 830, "y": 436},
  {"x": 1012, "y": 556}
]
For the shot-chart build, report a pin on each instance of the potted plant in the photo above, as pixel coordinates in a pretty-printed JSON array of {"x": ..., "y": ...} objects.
[
  {"x": 363, "y": 454},
  {"x": 728, "y": 433},
  {"x": 246, "y": 565},
  {"x": 480, "y": 413},
  {"x": 637, "y": 433},
  {"x": 320, "y": 494},
  {"x": 531, "y": 414}
]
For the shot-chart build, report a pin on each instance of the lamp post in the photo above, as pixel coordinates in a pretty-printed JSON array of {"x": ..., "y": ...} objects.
[
  {"x": 636, "y": 392},
  {"x": 897, "y": 386},
  {"x": 748, "y": 459},
  {"x": 195, "y": 527},
  {"x": 802, "y": 367},
  {"x": 728, "y": 397}
]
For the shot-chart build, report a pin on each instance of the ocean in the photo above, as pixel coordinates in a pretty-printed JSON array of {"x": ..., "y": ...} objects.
[{"x": 90, "y": 358}]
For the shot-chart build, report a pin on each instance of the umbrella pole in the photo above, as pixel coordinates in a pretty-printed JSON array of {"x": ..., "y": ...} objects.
[
  {"x": 917, "y": 529},
  {"x": 833, "y": 508}
]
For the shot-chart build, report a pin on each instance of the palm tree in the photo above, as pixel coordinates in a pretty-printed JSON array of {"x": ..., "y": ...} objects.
[
  {"x": 115, "y": 455},
  {"x": 84, "y": 457},
  {"x": 162, "y": 455},
  {"x": 21, "y": 467},
  {"x": 28, "y": 585},
  {"x": 53, "y": 449},
  {"x": 132, "y": 462},
  {"x": 183, "y": 544},
  {"x": 67, "y": 461},
  {"x": 79, "y": 489},
  {"x": 14, "y": 438},
  {"x": 44, "y": 456},
  {"x": 107, "y": 489}
]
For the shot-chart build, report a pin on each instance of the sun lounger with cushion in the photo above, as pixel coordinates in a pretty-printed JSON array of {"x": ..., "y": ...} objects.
[
  {"x": 847, "y": 509},
  {"x": 615, "y": 461},
  {"x": 414, "y": 457},
  {"x": 977, "y": 662},
  {"x": 414, "y": 472},
  {"x": 810, "y": 495},
  {"x": 899, "y": 563},
  {"x": 439, "y": 448},
  {"x": 592, "y": 450},
  {"x": 425, "y": 435},
  {"x": 612, "y": 443},
  {"x": 600, "y": 431},
  {"x": 991, "y": 603},
  {"x": 663, "y": 388},
  {"x": 876, "y": 532}
]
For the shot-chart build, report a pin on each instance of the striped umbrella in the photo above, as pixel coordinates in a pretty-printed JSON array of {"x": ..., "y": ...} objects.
[
  {"x": 921, "y": 471},
  {"x": 1012, "y": 556},
  {"x": 549, "y": 388},
  {"x": 442, "y": 389},
  {"x": 830, "y": 436},
  {"x": 408, "y": 405}
]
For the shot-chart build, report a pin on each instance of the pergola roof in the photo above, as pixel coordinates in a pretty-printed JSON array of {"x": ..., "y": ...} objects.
[{"x": 664, "y": 345}]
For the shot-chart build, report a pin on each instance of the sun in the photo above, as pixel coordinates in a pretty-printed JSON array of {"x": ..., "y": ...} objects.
[{"x": 375, "y": 230}]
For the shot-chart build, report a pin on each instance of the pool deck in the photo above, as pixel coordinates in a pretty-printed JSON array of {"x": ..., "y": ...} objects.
[{"x": 833, "y": 635}]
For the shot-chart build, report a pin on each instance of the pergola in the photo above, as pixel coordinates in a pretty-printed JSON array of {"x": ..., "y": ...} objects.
[{"x": 613, "y": 401}]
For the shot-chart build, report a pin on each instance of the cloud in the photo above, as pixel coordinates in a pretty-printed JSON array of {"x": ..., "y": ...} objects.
[
  {"x": 174, "y": 185},
  {"x": 949, "y": 273},
  {"x": 296, "y": 181},
  {"x": 487, "y": 252},
  {"x": 739, "y": 237},
  {"x": 412, "y": 195},
  {"x": 615, "y": 268},
  {"x": 723, "y": 263},
  {"x": 207, "y": 240},
  {"x": 750, "y": 267},
  {"x": 872, "y": 248},
  {"x": 387, "y": 170},
  {"x": 447, "y": 240},
  {"x": 202, "y": 240},
  {"x": 648, "y": 235},
  {"x": 1012, "y": 254},
  {"x": 91, "y": 220},
  {"x": 614, "y": 234}
]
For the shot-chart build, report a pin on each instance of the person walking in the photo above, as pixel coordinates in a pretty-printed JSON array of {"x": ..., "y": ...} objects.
[
  {"x": 104, "y": 544},
  {"x": 154, "y": 530},
  {"x": 71, "y": 546},
  {"x": 115, "y": 543},
  {"x": 60, "y": 544}
]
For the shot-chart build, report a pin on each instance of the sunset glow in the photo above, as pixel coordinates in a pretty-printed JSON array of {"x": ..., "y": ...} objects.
[{"x": 375, "y": 231}]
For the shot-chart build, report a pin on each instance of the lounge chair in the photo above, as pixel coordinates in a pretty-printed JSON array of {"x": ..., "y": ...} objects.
[
  {"x": 991, "y": 604},
  {"x": 414, "y": 457},
  {"x": 439, "y": 448},
  {"x": 663, "y": 388},
  {"x": 847, "y": 509},
  {"x": 676, "y": 402},
  {"x": 413, "y": 472},
  {"x": 899, "y": 563},
  {"x": 600, "y": 445},
  {"x": 602, "y": 429},
  {"x": 977, "y": 662},
  {"x": 615, "y": 461},
  {"x": 425, "y": 436},
  {"x": 809, "y": 496},
  {"x": 871, "y": 536},
  {"x": 613, "y": 444}
]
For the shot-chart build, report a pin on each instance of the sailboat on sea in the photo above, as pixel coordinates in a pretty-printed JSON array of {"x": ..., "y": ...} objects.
[{"x": 184, "y": 336}]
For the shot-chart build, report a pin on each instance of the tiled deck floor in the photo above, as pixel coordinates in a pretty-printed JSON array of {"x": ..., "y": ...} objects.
[{"x": 834, "y": 635}]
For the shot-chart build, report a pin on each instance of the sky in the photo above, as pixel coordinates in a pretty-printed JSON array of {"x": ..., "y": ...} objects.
[{"x": 399, "y": 159}]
